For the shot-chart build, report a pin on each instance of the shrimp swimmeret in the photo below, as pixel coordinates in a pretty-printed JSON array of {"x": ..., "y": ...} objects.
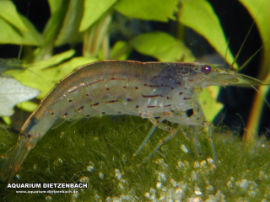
[{"x": 145, "y": 89}]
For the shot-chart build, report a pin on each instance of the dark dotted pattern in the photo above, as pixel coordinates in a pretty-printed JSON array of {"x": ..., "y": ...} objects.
[
  {"x": 80, "y": 108},
  {"x": 189, "y": 112}
]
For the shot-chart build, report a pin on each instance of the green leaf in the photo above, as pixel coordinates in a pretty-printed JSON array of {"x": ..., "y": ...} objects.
[
  {"x": 9, "y": 35},
  {"x": 69, "y": 32},
  {"x": 44, "y": 79},
  {"x": 13, "y": 92},
  {"x": 54, "y": 60},
  {"x": 158, "y": 10},
  {"x": 207, "y": 99},
  {"x": 52, "y": 28},
  {"x": 93, "y": 10},
  {"x": 55, "y": 5},
  {"x": 120, "y": 51},
  {"x": 42, "y": 75},
  {"x": 9, "y": 13},
  {"x": 259, "y": 10},
  {"x": 200, "y": 16},
  {"x": 27, "y": 106},
  {"x": 162, "y": 46}
]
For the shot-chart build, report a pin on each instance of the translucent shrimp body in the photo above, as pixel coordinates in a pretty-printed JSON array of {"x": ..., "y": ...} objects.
[{"x": 148, "y": 90}]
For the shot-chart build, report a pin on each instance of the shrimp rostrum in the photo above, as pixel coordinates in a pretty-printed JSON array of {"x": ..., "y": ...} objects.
[{"x": 145, "y": 89}]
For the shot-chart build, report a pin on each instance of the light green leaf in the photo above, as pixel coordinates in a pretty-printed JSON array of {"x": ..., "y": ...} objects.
[
  {"x": 158, "y": 10},
  {"x": 11, "y": 93},
  {"x": 259, "y": 9},
  {"x": 54, "y": 60},
  {"x": 52, "y": 28},
  {"x": 55, "y": 5},
  {"x": 64, "y": 69},
  {"x": 162, "y": 46},
  {"x": 200, "y": 16},
  {"x": 69, "y": 30},
  {"x": 27, "y": 106},
  {"x": 41, "y": 75},
  {"x": 120, "y": 51},
  {"x": 45, "y": 79},
  {"x": 9, "y": 13},
  {"x": 207, "y": 99},
  {"x": 8, "y": 35},
  {"x": 93, "y": 10}
]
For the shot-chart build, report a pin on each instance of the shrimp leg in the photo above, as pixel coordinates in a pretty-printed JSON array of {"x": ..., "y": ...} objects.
[
  {"x": 172, "y": 133},
  {"x": 156, "y": 123}
]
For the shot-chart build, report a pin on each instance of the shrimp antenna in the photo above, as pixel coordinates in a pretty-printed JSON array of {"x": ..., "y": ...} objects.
[
  {"x": 226, "y": 53},
  {"x": 242, "y": 44},
  {"x": 250, "y": 58}
]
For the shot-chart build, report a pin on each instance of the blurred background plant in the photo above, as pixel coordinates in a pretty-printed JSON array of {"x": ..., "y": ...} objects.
[
  {"x": 52, "y": 38},
  {"x": 79, "y": 32}
]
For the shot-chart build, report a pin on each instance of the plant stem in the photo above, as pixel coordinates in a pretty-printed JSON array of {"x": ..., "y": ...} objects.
[{"x": 254, "y": 118}]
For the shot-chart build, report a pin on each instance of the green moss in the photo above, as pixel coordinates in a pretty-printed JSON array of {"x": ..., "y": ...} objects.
[{"x": 100, "y": 151}]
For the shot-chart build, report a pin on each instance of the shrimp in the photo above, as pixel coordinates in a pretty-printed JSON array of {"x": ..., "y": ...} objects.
[{"x": 145, "y": 89}]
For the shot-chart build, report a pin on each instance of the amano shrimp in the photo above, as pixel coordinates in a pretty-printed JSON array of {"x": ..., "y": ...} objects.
[{"x": 145, "y": 89}]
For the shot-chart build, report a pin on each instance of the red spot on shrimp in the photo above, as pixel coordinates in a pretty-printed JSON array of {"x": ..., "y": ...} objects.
[
  {"x": 154, "y": 86},
  {"x": 112, "y": 101},
  {"x": 118, "y": 79},
  {"x": 136, "y": 87},
  {"x": 169, "y": 98},
  {"x": 155, "y": 77},
  {"x": 80, "y": 108},
  {"x": 94, "y": 82},
  {"x": 167, "y": 105},
  {"x": 69, "y": 100},
  {"x": 151, "y": 96},
  {"x": 107, "y": 89},
  {"x": 95, "y": 104},
  {"x": 152, "y": 106}
]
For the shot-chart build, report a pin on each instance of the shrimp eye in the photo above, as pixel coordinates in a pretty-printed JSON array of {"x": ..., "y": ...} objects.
[{"x": 206, "y": 69}]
